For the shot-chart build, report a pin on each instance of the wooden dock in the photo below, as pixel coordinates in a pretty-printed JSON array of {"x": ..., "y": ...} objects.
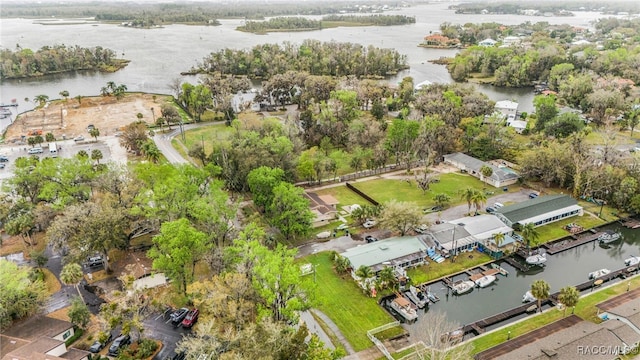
[
  {"x": 522, "y": 267},
  {"x": 554, "y": 248},
  {"x": 477, "y": 276},
  {"x": 480, "y": 326},
  {"x": 631, "y": 223}
]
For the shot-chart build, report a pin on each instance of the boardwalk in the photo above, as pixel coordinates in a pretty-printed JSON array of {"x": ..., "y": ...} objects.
[{"x": 528, "y": 338}]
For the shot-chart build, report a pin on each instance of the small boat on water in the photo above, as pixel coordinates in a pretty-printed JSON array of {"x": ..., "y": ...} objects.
[
  {"x": 432, "y": 296},
  {"x": 403, "y": 307},
  {"x": 632, "y": 261},
  {"x": 536, "y": 259},
  {"x": 486, "y": 281},
  {"x": 417, "y": 297},
  {"x": 462, "y": 287},
  {"x": 528, "y": 297},
  {"x": 609, "y": 236},
  {"x": 598, "y": 273}
]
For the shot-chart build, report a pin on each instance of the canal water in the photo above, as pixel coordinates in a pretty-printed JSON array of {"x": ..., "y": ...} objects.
[{"x": 570, "y": 267}]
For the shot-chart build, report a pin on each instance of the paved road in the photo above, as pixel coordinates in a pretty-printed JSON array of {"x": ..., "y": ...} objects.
[
  {"x": 163, "y": 142},
  {"x": 157, "y": 326}
]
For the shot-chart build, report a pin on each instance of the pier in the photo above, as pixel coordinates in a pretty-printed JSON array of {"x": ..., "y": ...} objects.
[
  {"x": 562, "y": 245},
  {"x": 522, "y": 267},
  {"x": 631, "y": 223}
]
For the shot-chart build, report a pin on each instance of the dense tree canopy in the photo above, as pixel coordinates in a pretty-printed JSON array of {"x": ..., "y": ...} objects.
[{"x": 20, "y": 295}]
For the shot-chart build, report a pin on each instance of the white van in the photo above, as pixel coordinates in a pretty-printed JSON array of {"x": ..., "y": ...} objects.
[{"x": 53, "y": 149}]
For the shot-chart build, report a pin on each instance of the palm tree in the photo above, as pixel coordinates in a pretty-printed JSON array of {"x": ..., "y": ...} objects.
[
  {"x": 540, "y": 290},
  {"x": 498, "y": 238},
  {"x": 50, "y": 137},
  {"x": 467, "y": 195},
  {"x": 479, "y": 198},
  {"x": 96, "y": 155},
  {"x": 95, "y": 132},
  {"x": 364, "y": 272},
  {"x": 64, "y": 94},
  {"x": 441, "y": 199},
  {"x": 486, "y": 171},
  {"x": 530, "y": 234},
  {"x": 387, "y": 277},
  {"x": 71, "y": 274},
  {"x": 41, "y": 99},
  {"x": 569, "y": 297}
]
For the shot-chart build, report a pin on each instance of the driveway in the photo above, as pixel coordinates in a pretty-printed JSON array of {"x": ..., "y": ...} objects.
[{"x": 339, "y": 244}]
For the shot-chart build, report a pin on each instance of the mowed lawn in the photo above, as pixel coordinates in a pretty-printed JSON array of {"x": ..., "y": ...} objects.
[
  {"x": 384, "y": 190},
  {"x": 556, "y": 229},
  {"x": 434, "y": 270},
  {"x": 343, "y": 301}
]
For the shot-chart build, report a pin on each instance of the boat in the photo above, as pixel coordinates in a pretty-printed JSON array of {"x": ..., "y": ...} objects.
[
  {"x": 528, "y": 297},
  {"x": 432, "y": 296},
  {"x": 417, "y": 297},
  {"x": 632, "y": 261},
  {"x": 537, "y": 259},
  {"x": 486, "y": 281},
  {"x": 532, "y": 308},
  {"x": 598, "y": 273},
  {"x": 403, "y": 307},
  {"x": 462, "y": 287},
  {"x": 609, "y": 236},
  {"x": 454, "y": 336}
]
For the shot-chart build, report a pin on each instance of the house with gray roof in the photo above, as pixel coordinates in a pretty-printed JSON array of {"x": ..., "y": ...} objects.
[
  {"x": 540, "y": 211},
  {"x": 501, "y": 176},
  {"x": 450, "y": 238},
  {"x": 485, "y": 227},
  {"x": 404, "y": 252}
]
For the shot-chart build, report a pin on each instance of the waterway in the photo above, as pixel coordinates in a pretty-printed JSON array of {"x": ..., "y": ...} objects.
[
  {"x": 570, "y": 267},
  {"x": 159, "y": 55}
]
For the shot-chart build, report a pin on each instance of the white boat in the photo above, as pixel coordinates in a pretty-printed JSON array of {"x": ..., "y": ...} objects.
[
  {"x": 598, "y": 273},
  {"x": 537, "y": 259},
  {"x": 486, "y": 281},
  {"x": 632, "y": 261},
  {"x": 609, "y": 236},
  {"x": 403, "y": 307},
  {"x": 528, "y": 297},
  {"x": 462, "y": 287},
  {"x": 417, "y": 296},
  {"x": 432, "y": 296}
]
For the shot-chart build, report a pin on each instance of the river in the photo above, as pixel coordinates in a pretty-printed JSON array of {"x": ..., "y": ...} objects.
[{"x": 159, "y": 55}]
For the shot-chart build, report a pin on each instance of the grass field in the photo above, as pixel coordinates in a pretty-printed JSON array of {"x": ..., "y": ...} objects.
[
  {"x": 434, "y": 270},
  {"x": 343, "y": 301},
  {"x": 556, "y": 230},
  {"x": 585, "y": 309}
]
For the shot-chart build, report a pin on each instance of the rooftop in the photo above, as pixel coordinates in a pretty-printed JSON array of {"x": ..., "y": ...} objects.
[
  {"x": 34, "y": 349},
  {"x": 506, "y": 104},
  {"x": 36, "y": 327},
  {"x": 384, "y": 251},
  {"x": 535, "y": 207},
  {"x": 475, "y": 164},
  {"x": 482, "y": 226}
]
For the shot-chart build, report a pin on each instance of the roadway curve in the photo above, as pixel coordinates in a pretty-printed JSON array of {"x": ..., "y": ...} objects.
[{"x": 163, "y": 142}]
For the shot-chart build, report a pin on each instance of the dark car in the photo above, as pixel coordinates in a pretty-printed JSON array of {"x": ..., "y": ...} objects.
[
  {"x": 2, "y": 166},
  {"x": 533, "y": 196},
  {"x": 490, "y": 209},
  {"x": 191, "y": 318},
  {"x": 98, "y": 345},
  {"x": 370, "y": 239},
  {"x": 178, "y": 315},
  {"x": 119, "y": 343},
  {"x": 3, "y": 158}
]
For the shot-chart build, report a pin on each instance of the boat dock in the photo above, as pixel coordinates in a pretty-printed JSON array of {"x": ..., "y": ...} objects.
[
  {"x": 480, "y": 326},
  {"x": 562, "y": 245},
  {"x": 500, "y": 269},
  {"x": 631, "y": 223},
  {"x": 522, "y": 267},
  {"x": 488, "y": 272}
]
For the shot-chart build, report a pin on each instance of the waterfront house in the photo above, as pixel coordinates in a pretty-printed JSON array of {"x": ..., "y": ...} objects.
[
  {"x": 484, "y": 227},
  {"x": 501, "y": 176},
  {"x": 539, "y": 211},
  {"x": 451, "y": 239},
  {"x": 403, "y": 252},
  {"x": 440, "y": 41},
  {"x": 507, "y": 107},
  {"x": 488, "y": 42},
  {"x": 518, "y": 125}
]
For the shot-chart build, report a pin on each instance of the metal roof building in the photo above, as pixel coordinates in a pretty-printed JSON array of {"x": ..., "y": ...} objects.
[
  {"x": 403, "y": 251},
  {"x": 540, "y": 211},
  {"x": 500, "y": 176},
  {"x": 483, "y": 227}
]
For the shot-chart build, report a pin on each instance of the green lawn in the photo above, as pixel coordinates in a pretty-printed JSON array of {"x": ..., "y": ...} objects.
[
  {"x": 434, "y": 270},
  {"x": 585, "y": 309},
  {"x": 598, "y": 138},
  {"x": 344, "y": 302},
  {"x": 556, "y": 230},
  {"x": 207, "y": 135}
]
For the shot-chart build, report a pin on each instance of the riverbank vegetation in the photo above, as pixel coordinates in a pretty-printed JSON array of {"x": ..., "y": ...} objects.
[
  {"x": 24, "y": 63},
  {"x": 329, "y": 21},
  {"x": 312, "y": 56}
]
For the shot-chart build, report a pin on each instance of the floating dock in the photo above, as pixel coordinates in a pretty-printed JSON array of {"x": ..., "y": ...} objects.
[{"x": 563, "y": 245}]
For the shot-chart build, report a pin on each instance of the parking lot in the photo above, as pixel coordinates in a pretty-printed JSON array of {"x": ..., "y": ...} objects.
[{"x": 159, "y": 327}]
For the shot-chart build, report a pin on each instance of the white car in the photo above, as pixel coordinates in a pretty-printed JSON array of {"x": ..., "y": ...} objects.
[
  {"x": 369, "y": 224},
  {"x": 498, "y": 205},
  {"x": 35, "y": 150}
]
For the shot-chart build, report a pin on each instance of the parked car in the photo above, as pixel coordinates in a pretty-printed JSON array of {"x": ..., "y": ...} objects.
[
  {"x": 98, "y": 345},
  {"x": 433, "y": 209},
  {"x": 421, "y": 229},
  {"x": 490, "y": 209},
  {"x": 191, "y": 318},
  {"x": 533, "y": 195},
  {"x": 35, "y": 150},
  {"x": 118, "y": 344},
  {"x": 90, "y": 127},
  {"x": 498, "y": 205},
  {"x": 2, "y": 165},
  {"x": 369, "y": 224},
  {"x": 4, "y": 158},
  {"x": 343, "y": 226},
  {"x": 178, "y": 315},
  {"x": 78, "y": 138},
  {"x": 94, "y": 261},
  {"x": 370, "y": 239}
]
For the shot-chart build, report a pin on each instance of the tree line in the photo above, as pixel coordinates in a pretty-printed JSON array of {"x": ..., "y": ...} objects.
[
  {"x": 281, "y": 23},
  {"x": 312, "y": 56},
  {"x": 23, "y": 63},
  {"x": 377, "y": 20}
]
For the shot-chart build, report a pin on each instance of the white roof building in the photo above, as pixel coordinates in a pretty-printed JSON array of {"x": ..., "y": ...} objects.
[
  {"x": 518, "y": 125},
  {"x": 488, "y": 42},
  {"x": 507, "y": 107},
  {"x": 482, "y": 227}
]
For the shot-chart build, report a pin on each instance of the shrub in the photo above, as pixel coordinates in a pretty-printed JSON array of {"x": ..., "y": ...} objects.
[
  {"x": 146, "y": 347},
  {"x": 76, "y": 335}
]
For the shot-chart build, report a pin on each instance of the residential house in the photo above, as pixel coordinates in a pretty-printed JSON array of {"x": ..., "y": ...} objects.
[
  {"x": 484, "y": 228},
  {"x": 511, "y": 41},
  {"x": 451, "y": 239},
  {"x": 507, "y": 107},
  {"x": 39, "y": 337},
  {"x": 323, "y": 208},
  {"x": 540, "y": 211},
  {"x": 488, "y": 42},
  {"x": 500, "y": 176},
  {"x": 518, "y": 125},
  {"x": 402, "y": 252},
  {"x": 440, "y": 41}
]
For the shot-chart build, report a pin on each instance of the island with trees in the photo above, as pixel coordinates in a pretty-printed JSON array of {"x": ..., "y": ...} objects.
[
  {"x": 24, "y": 63},
  {"x": 329, "y": 21}
]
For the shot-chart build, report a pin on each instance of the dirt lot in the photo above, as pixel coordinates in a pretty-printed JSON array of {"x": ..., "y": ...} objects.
[{"x": 69, "y": 118}]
